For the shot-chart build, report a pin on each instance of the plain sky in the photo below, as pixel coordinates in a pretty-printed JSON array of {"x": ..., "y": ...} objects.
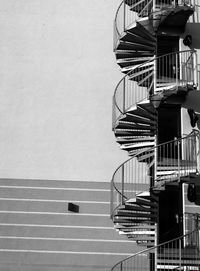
[{"x": 57, "y": 78}]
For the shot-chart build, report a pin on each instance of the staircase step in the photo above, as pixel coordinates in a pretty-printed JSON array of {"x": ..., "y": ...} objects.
[
  {"x": 141, "y": 111},
  {"x": 133, "y": 207},
  {"x": 132, "y": 212},
  {"x": 133, "y": 221},
  {"x": 137, "y": 232},
  {"x": 132, "y": 117},
  {"x": 138, "y": 119},
  {"x": 136, "y": 227},
  {"x": 131, "y": 37},
  {"x": 139, "y": 29},
  {"x": 132, "y": 139},
  {"x": 136, "y": 149},
  {"x": 129, "y": 124},
  {"x": 131, "y": 224},
  {"x": 128, "y": 53},
  {"x": 136, "y": 215},
  {"x": 142, "y": 201},
  {"x": 124, "y": 54},
  {"x": 127, "y": 45},
  {"x": 124, "y": 62},
  {"x": 148, "y": 107},
  {"x": 126, "y": 132}
]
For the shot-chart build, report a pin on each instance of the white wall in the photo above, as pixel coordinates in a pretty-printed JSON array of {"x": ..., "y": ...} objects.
[{"x": 57, "y": 78}]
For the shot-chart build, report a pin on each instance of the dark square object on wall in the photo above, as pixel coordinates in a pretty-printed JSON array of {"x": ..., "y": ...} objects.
[{"x": 73, "y": 207}]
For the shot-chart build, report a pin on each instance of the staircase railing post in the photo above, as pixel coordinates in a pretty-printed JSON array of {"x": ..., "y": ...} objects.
[
  {"x": 124, "y": 18},
  {"x": 198, "y": 152},
  {"x": 195, "y": 68},
  {"x": 156, "y": 161},
  {"x": 113, "y": 113},
  {"x": 176, "y": 71},
  {"x": 194, "y": 145},
  {"x": 121, "y": 266},
  {"x": 124, "y": 95},
  {"x": 179, "y": 174},
  {"x": 122, "y": 196},
  {"x": 155, "y": 75},
  {"x": 180, "y": 252},
  {"x": 156, "y": 249},
  {"x": 111, "y": 200}
]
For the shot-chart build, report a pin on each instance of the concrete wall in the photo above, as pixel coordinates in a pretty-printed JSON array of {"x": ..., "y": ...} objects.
[{"x": 37, "y": 232}]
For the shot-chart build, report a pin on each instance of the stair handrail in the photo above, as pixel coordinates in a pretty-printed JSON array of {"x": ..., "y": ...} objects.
[
  {"x": 159, "y": 246},
  {"x": 121, "y": 198},
  {"x": 140, "y": 93}
]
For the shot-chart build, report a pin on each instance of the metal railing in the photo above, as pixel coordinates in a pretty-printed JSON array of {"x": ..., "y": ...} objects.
[
  {"x": 163, "y": 73},
  {"x": 177, "y": 158},
  {"x": 130, "y": 11},
  {"x": 153, "y": 167},
  {"x": 132, "y": 89},
  {"x": 182, "y": 253},
  {"x": 176, "y": 69}
]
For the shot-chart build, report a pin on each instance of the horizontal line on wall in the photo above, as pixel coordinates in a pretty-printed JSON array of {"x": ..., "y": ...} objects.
[
  {"x": 51, "y": 213},
  {"x": 53, "y": 188},
  {"x": 64, "y": 239},
  {"x": 53, "y": 180},
  {"x": 64, "y": 252},
  {"x": 52, "y": 200},
  {"x": 54, "y": 226}
]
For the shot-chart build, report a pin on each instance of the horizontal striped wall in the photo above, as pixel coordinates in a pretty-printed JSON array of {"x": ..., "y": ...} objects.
[{"x": 37, "y": 232}]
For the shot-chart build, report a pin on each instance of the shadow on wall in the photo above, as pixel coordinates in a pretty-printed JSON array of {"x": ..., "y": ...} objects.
[{"x": 193, "y": 30}]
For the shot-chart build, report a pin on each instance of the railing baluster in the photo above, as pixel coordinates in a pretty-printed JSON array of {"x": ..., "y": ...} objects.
[{"x": 122, "y": 183}]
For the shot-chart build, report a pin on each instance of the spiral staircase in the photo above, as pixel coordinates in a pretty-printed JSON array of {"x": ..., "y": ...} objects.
[{"x": 150, "y": 79}]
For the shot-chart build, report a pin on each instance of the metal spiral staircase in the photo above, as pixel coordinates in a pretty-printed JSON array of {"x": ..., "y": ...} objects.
[{"x": 149, "y": 80}]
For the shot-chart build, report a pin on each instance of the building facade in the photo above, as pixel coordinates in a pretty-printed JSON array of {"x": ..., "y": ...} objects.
[{"x": 155, "y": 194}]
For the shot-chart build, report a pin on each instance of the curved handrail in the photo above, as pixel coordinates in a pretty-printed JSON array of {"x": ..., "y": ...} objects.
[
  {"x": 133, "y": 175},
  {"x": 180, "y": 72},
  {"x": 173, "y": 244}
]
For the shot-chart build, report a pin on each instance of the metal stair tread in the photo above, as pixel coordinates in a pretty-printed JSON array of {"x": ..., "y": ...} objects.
[
  {"x": 137, "y": 27},
  {"x": 135, "y": 139},
  {"x": 135, "y": 76},
  {"x": 135, "y": 39},
  {"x": 144, "y": 126},
  {"x": 134, "y": 59},
  {"x": 139, "y": 145},
  {"x": 123, "y": 45},
  {"x": 139, "y": 232},
  {"x": 139, "y": 119}
]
